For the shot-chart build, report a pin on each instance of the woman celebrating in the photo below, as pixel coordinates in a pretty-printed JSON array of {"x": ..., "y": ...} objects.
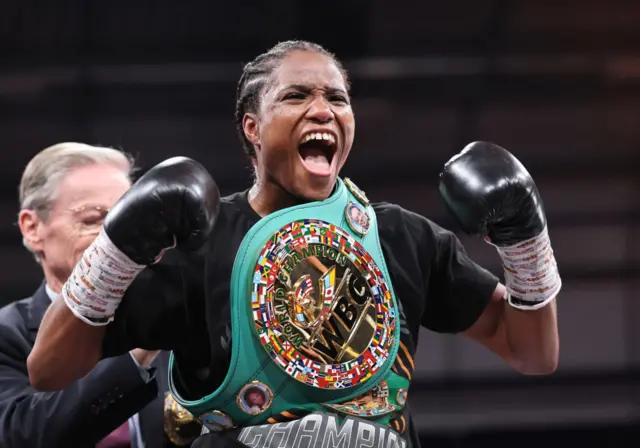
[{"x": 300, "y": 290}]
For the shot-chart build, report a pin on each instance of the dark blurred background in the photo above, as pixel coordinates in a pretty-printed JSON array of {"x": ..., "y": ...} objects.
[{"x": 556, "y": 82}]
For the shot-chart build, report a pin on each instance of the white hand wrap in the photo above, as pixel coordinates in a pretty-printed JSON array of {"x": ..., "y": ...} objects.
[
  {"x": 531, "y": 272},
  {"x": 98, "y": 282}
]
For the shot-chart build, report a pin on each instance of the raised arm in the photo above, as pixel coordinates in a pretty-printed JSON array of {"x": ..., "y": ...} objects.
[
  {"x": 173, "y": 205},
  {"x": 492, "y": 195}
]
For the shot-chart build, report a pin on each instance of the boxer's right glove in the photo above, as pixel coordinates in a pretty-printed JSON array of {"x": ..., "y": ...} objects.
[{"x": 174, "y": 204}]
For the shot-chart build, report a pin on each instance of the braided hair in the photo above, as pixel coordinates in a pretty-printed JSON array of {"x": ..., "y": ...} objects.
[{"x": 256, "y": 74}]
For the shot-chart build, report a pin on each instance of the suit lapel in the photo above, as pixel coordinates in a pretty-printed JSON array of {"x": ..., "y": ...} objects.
[{"x": 37, "y": 307}]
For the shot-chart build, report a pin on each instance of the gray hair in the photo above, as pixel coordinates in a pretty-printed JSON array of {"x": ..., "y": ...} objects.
[{"x": 44, "y": 173}]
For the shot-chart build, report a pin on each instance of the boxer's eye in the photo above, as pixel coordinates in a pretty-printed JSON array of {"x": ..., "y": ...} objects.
[{"x": 338, "y": 99}]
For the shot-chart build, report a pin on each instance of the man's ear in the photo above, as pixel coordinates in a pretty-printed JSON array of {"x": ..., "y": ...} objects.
[
  {"x": 251, "y": 128},
  {"x": 30, "y": 227}
]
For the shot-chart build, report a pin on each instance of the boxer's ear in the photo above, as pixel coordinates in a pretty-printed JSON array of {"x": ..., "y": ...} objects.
[{"x": 251, "y": 129}]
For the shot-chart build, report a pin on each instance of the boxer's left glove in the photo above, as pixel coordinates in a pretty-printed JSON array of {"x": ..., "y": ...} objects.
[
  {"x": 174, "y": 204},
  {"x": 491, "y": 194}
]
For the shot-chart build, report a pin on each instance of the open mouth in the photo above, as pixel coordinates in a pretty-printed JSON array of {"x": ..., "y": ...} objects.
[{"x": 317, "y": 151}]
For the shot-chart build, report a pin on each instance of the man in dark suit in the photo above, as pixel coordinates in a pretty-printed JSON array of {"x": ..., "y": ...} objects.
[{"x": 65, "y": 193}]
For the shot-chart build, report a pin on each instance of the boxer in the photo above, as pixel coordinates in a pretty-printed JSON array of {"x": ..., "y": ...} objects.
[{"x": 295, "y": 306}]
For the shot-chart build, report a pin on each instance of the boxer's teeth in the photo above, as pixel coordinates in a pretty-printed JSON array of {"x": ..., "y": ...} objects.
[{"x": 318, "y": 136}]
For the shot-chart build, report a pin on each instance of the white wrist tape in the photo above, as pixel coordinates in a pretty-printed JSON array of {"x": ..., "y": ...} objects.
[
  {"x": 98, "y": 282},
  {"x": 531, "y": 272}
]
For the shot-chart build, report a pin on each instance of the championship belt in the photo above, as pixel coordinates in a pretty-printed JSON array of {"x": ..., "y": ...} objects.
[{"x": 313, "y": 319}]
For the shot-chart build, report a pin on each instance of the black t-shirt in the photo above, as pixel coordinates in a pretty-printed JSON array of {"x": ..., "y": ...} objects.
[{"x": 183, "y": 303}]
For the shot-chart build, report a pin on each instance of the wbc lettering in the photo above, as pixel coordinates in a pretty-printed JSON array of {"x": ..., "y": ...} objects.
[
  {"x": 346, "y": 334},
  {"x": 331, "y": 318}
]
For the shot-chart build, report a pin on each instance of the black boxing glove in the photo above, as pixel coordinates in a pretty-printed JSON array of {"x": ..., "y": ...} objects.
[
  {"x": 491, "y": 194},
  {"x": 175, "y": 204}
]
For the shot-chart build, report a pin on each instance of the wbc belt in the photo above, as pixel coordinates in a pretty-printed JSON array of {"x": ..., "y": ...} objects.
[{"x": 313, "y": 319}]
